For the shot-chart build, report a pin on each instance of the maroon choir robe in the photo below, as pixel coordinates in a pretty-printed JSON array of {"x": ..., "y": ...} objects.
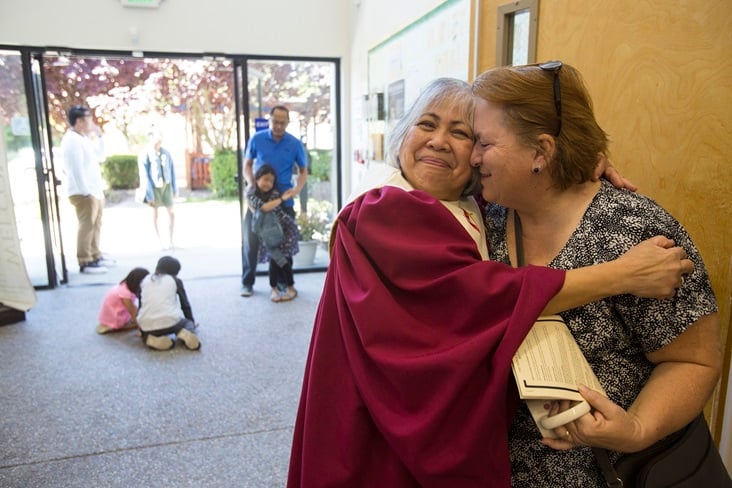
[{"x": 408, "y": 378}]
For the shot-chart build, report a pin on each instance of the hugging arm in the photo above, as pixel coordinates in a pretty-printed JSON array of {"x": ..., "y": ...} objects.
[
  {"x": 651, "y": 269},
  {"x": 130, "y": 307},
  {"x": 606, "y": 170}
]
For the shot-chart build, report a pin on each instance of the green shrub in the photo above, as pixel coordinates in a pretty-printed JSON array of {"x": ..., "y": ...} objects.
[
  {"x": 120, "y": 171},
  {"x": 14, "y": 143},
  {"x": 320, "y": 164},
  {"x": 223, "y": 174}
]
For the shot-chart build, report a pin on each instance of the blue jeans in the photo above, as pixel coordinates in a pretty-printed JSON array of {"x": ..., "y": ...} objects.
[{"x": 249, "y": 251}]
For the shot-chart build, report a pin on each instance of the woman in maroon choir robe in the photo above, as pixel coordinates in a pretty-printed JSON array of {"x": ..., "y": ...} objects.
[{"x": 407, "y": 377}]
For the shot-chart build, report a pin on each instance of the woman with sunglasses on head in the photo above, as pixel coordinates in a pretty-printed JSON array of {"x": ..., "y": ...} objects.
[
  {"x": 407, "y": 377},
  {"x": 537, "y": 142}
]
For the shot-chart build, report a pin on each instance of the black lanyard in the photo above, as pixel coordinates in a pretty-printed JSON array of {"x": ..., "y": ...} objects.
[{"x": 519, "y": 240}]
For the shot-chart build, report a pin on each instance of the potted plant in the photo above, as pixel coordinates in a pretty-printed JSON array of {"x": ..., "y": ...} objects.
[{"x": 314, "y": 228}]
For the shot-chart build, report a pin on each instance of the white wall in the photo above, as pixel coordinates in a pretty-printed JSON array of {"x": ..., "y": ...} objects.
[{"x": 283, "y": 27}]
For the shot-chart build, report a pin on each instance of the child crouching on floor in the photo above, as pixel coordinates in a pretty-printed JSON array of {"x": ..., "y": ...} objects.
[
  {"x": 119, "y": 307},
  {"x": 164, "y": 308}
]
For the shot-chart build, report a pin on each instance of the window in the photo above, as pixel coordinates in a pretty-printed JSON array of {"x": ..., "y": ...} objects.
[{"x": 516, "y": 41}]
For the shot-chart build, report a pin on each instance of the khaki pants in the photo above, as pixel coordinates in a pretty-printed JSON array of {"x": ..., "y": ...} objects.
[{"x": 89, "y": 214}]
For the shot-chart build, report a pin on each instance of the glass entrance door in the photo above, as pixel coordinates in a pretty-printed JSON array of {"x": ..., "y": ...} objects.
[
  {"x": 46, "y": 174},
  {"x": 309, "y": 89},
  {"x": 30, "y": 170}
]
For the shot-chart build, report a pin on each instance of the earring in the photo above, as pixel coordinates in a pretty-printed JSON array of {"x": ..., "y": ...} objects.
[{"x": 536, "y": 170}]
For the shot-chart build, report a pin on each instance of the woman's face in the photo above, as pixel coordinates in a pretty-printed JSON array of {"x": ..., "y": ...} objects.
[
  {"x": 435, "y": 153},
  {"x": 505, "y": 165}
]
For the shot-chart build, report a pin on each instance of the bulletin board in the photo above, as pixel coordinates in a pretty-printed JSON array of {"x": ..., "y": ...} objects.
[{"x": 435, "y": 45}]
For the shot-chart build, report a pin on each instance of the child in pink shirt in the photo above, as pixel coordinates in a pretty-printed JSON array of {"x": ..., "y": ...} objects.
[{"x": 119, "y": 308}]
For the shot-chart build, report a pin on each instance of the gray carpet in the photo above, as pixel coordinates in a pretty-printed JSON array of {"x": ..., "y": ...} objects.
[{"x": 80, "y": 409}]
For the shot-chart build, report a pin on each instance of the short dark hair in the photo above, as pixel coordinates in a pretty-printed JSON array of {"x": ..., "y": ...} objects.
[
  {"x": 76, "y": 112},
  {"x": 265, "y": 169},
  {"x": 280, "y": 107},
  {"x": 168, "y": 265}
]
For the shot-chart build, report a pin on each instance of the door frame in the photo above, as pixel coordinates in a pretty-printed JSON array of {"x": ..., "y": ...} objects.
[
  {"x": 46, "y": 181},
  {"x": 245, "y": 116}
]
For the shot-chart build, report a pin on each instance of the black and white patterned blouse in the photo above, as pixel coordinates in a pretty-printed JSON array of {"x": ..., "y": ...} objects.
[{"x": 613, "y": 333}]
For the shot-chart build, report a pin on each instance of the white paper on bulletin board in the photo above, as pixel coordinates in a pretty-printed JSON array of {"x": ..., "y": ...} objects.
[{"x": 435, "y": 45}]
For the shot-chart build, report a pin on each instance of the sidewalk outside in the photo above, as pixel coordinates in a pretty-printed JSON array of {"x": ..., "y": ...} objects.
[{"x": 207, "y": 237}]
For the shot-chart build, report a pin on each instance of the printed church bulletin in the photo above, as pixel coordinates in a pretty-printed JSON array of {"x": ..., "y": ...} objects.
[{"x": 549, "y": 365}]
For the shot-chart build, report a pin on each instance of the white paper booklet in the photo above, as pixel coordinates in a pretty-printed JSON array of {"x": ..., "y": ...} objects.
[{"x": 549, "y": 365}]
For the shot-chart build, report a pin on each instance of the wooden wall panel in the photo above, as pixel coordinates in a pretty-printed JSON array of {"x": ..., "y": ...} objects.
[{"x": 660, "y": 74}]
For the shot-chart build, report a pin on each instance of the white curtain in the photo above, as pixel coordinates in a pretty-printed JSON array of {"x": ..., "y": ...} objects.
[{"x": 16, "y": 290}]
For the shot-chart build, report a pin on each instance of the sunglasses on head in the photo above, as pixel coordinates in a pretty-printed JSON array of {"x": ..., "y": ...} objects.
[{"x": 554, "y": 67}]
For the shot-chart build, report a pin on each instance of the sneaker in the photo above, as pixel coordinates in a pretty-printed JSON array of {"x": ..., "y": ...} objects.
[
  {"x": 108, "y": 262},
  {"x": 247, "y": 291},
  {"x": 161, "y": 343},
  {"x": 189, "y": 339},
  {"x": 276, "y": 295},
  {"x": 290, "y": 294},
  {"x": 93, "y": 268},
  {"x": 103, "y": 329}
]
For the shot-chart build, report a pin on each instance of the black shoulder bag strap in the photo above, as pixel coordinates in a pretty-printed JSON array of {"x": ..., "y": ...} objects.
[
  {"x": 518, "y": 239},
  {"x": 608, "y": 470}
]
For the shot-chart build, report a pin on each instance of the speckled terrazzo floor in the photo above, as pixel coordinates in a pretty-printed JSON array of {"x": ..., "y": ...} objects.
[{"x": 78, "y": 409}]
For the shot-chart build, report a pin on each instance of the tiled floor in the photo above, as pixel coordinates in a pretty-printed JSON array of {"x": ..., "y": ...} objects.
[{"x": 79, "y": 409}]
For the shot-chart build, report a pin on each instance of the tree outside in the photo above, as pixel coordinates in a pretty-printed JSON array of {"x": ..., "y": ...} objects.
[{"x": 129, "y": 95}]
